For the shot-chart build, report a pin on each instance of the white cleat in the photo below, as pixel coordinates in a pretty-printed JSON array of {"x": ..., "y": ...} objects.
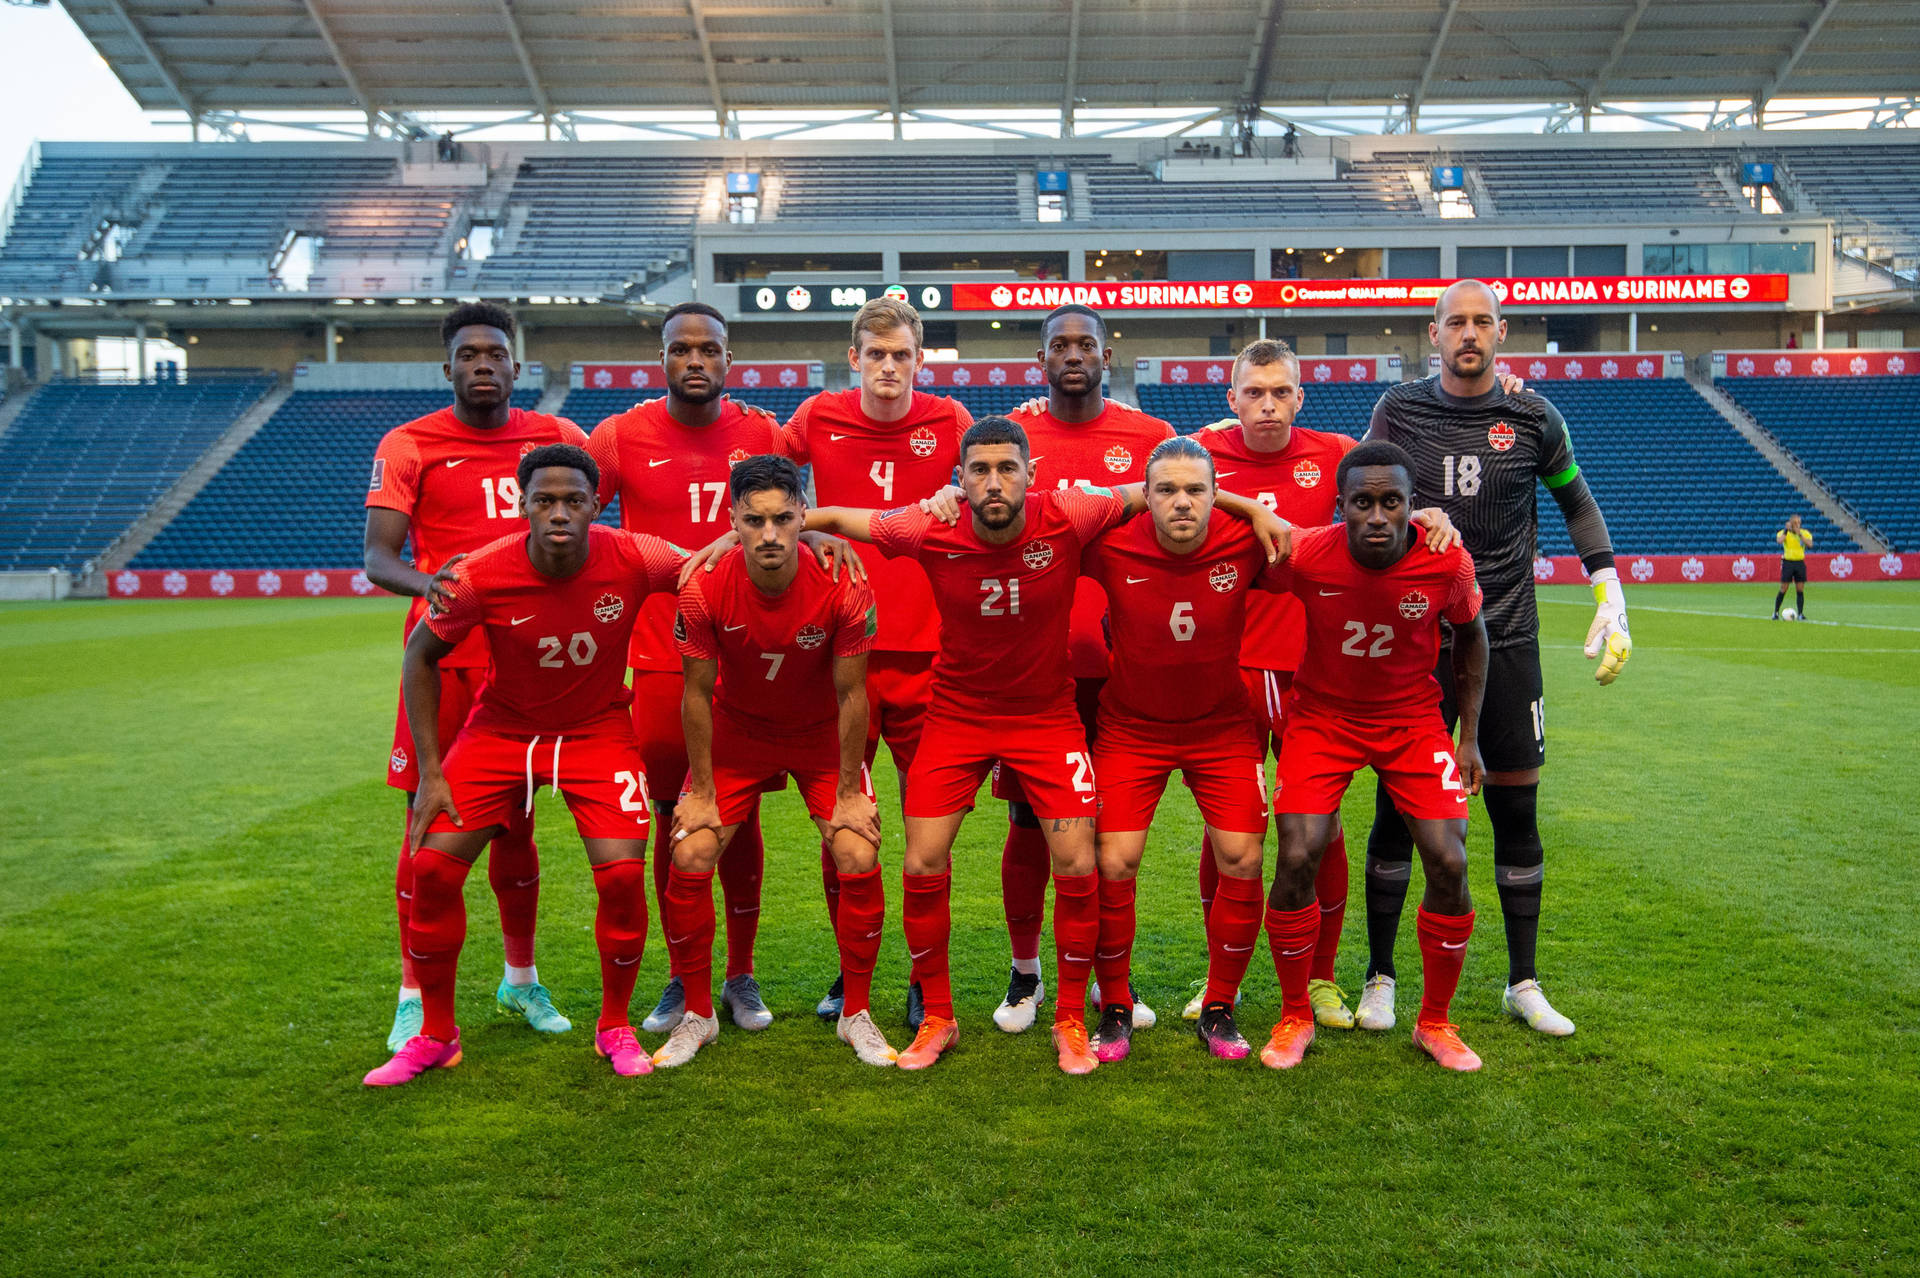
[
  {"x": 688, "y": 1037},
  {"x": 1144, "y": 1017},
  {"x": 1527, "y": 1002},
  {"x": 1025, "y": 994},
  {"x": 1376, "y": 1004},
  {"x": 864, "y": 1037},
  {"x": 741, "y": 996}
]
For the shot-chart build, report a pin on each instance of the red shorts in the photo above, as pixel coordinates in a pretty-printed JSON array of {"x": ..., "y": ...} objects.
[
  {"x": 1225, "y": 765},
  {"x": 1047, "y": 751},
  {"x": 1321, "y": 752},
  {"x": 662, "y": 738},
  {"x": 745, "y": 766},
  {"x": 1086, "y": 703},
  {"x": 600, "y": 777},
  {"x": 899, "y": 689},
  {"x": 1267, "y": 694},
  {"x": 459, "y": 687}
]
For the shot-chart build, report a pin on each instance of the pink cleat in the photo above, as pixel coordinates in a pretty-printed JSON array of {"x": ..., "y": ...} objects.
[
  {"x": 623, "y": 1049},
  {"x": 415, "y": 1057}
]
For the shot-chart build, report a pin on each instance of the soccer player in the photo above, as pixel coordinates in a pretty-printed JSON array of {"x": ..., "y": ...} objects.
[
  {"x": 1365, "y": 696},
  {"x": 557, "y": 602},
  {"x": 1794, "y": 541},
  {"x": 446, "y": 481},
  {"x": 1080, "y": 437},
  {"x": 1479, "y": 450},
  {"x": 1003, "y": 578},
  {"x": 667, "y": 460},
  {"x": 881, "y": 444},
  {"x": 787, "y": 645}
]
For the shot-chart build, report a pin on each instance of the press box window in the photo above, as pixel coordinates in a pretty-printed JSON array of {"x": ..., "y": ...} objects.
[{"x": 743, "y": 198}]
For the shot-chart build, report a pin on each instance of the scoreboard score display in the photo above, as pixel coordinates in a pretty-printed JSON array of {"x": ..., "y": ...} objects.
[{"x": 806, "y": 299}]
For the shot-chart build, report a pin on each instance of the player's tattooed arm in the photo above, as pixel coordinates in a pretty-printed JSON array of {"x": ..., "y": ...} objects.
[
  {"x": 385, "y": 538},
  {"x": 852, "y": 809},
  {"x": 420, "y": 688},
  {"x": 697, "y": 809},
  {"x": 1470, "y": 684},
  {"x": 1442, "y": 536}
]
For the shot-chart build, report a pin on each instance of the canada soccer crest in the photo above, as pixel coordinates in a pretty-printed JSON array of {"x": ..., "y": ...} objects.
[
  {"x": 1036, "y": 555},
  {"x": 1414, "y": 605},
  {"x": 608, "y": 607},
  {"x": 398, "y": 763},
  {"x": 1223, "y": 577},
  {"x": 737, "y": 456},
  {"x": 528, "y": 447},
  {"x": 1500, "y": 437},
  {"x": 923, "y": 442},
  {"x": 810, "y": 637},
  {"x": 1307, "y": 474},
  {"x": 1118, "y": 459}
]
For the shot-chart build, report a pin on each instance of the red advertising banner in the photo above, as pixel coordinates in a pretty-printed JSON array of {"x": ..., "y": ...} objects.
[
  {"x": 1830, "y": 363},
  {"x": 1314, "y": 370},
  {"x": 240, "y": 583},
  {"x": 983, "y": 372},
  {"x": 1590, "y": 366},
  {"x": 1859, "y": 566},
  {"x": 744, "y": 375},
  {"x": 1160, "y": 295}
]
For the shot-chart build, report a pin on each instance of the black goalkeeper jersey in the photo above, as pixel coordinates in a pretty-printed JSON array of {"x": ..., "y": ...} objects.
[{"x": 1478, "y": 459}]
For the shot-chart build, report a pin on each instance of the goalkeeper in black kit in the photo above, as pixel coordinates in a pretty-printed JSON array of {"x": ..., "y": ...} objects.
[{"x": 1478, "y": 453}]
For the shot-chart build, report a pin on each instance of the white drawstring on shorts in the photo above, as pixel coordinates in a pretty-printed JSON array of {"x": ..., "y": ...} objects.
[{"x": 554, "y": 774}]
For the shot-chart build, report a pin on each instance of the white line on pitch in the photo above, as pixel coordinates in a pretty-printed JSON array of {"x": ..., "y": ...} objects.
[
  {"x": 1742, "y": 616},
  {"x": 1791, "y": 652}
]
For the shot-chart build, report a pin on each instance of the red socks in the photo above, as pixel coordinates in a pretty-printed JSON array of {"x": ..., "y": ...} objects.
[
  {"x": 1291, "y": 934},
  {"x": 1076, "y": 932},
  {"x": 1443, "y": 949},
  {"x": 857, "y": 925},
  {"x": 1330, "y": 889},
  {"x": 620, "y": 932},
  {"x": 741, "y": 866},
  {"x": 436, "y": 929},
  {"x": 662, "y": 870},
  {"x": 1233, "y": 929},
  {"x": 1209, "y": 876},
  {"x": 830, "y": 885},
  {"x": 1024, "y": 868},
  {"x": 688, "y": 920},
  {"x": 1113, "y": 955},
  {"x": 403, "y": 906},
  {"x": 513, "y": 868},
  {"x": 926, "y": 916}
]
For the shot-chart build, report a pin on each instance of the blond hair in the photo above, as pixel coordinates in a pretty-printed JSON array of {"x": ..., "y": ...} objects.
[
  {"x": 1260, "y": 353},
  {"x": 884, "y": 313}
]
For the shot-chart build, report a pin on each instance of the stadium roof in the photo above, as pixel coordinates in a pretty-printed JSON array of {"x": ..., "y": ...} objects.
[{"x": 550, "y": 57}]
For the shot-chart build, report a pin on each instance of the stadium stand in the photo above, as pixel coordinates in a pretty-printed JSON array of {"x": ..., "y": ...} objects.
[
  {"x": 1126, "y": 193},
  {"x": 1335, "y": 406},
  {"x": 62, "y": 210},
  {"x": 593, "y": 224},
  {"x": 946, "y": 189},
  {"x": 308, "y": 467},
  {"x": 85, "y": 459},
  {"x": 1860, "y": 436},
  {"x": 1613, "y": 184}
]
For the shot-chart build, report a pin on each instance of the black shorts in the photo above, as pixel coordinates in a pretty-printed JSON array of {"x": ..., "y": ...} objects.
[
  {"x": 1793, "y": 570},
  {"x": 1513, "y": 718}
]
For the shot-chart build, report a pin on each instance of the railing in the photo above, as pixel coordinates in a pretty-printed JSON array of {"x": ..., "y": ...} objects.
[
  {"x": 114, "y": 377},
  {"x": 19, "y": 191}
]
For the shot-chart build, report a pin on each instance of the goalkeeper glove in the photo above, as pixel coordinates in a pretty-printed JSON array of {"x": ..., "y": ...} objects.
[{"x": 1608, "y": 637}]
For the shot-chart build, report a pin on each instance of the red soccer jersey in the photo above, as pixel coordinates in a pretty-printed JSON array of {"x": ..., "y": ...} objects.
[
  {"x": 861, "y": 462},
  {"x": 558, "y": 642},
  {"x": 775, "y": 651},
  {"x": 1175, "y": 620},
  {"x": 1296, "y": 483},
  {"x": 1003, "y": 609},
  {"x": 1110, "y": 449},
  {"x": 1373, "y": 638},
  {"x": 456, "y": 486},
  {"x": 672, "y": 482}
]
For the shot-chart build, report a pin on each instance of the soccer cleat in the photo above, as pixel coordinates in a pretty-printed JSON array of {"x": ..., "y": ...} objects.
[
  {"x": 1376, "y": 1004},
  {"x": 415, "y": 1057},
  {"x": 1144, "y": 1017},
  {"x": 692, "y": 1033},
  {"x": 864, "y": 1037},
  {"x": 936, "y": 1035},
  {"x": 1220, "y": 1035},
  {"x": 1441, "y": 1041},
  {"x": 1191, "y": 1012},
  {"x": 1025, "y": 994},
  {"x": 916, "y": 1006},
  {"x": 1288, "y": 1044},
  {"x": 742, "y": 995},
  {"x": 828, "y": 1008},
  {"x": 1113, "y": 1040},
  {"x": 534, "y": 1003},
  {"x": 1329, "y": 1004},
  {"x": 1076, "y": 1054},
  {"x": 1527, "y": 1002},
  {"x": 667, "y": 1012},
  {"x": 407, "y": 1016},
  {"x": 623, "y": 1049}
]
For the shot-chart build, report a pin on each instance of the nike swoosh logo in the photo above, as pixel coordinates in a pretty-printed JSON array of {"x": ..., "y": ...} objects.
[
  {"x": 1332, "y": 909},
  {"x": 1305, "y": 949},
  {"x": 917, "y": 955},
  {"x": 676, "y": 940},
  {"x": 1222, "y": 474},
  {"x": 956, "y": 554},
  {"x": 1076, "y": 958},
  {"x": 1328, "y": 594},
  {"x": 526, "y": 882},
  {"x": 1134, "y": 581},
  {"x": 1098, "y": 954},
  {"x": 736, "y": 911},
  {"x": 731, "y": 629},
  {"x": 1404, "y": 871},
  {"x": 658, "y": 461},
  {"x": 873, "y": 934},
  {"x": 1033, "y": 459},
  {"x": 523, "y": 620},
  {"x": 455, "y": 461},
  {"x": 1452, "y": 945},
  {"x": 1238, "y": 949},
  {"x": 837, "y": 438},
  {"x": 620, "y": 962}
]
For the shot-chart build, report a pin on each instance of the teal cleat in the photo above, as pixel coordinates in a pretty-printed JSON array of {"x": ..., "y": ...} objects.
[
  {"x": 534, "y": 1003},
  {"x": 407, "y": 1018}
]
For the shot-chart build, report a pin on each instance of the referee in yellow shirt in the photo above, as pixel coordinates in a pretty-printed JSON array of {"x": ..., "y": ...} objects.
[{"x": 1794, "y": 541}]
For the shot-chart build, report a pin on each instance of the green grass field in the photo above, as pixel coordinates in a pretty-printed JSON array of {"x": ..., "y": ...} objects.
[{"x": 196, "y": 922}]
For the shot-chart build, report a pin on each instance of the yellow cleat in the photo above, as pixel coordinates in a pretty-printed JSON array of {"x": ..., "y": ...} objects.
[{"x": 1329, "y": 1005}]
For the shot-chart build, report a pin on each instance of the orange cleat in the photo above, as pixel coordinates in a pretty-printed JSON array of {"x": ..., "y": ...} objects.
[
  {"x": 1441, "y": 1041},
  {"x": 1076, "y": 1053},
  {"x": 1289, "y": 1043},
  {"x": 936, "y": 1035}
]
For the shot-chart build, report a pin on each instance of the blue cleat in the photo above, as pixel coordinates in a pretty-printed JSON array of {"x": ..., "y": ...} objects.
[
  {"x": 667, "y": 1012},
  {"x": 534, "y": 1004},
  {"x": 828, "y": 1008},
  {"x": 916, "y": 1007},
  {"x": 407, "y": 1019}
]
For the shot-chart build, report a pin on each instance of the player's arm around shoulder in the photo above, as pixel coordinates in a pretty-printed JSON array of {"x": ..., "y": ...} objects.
[
  {"x": 603, "y": 445},
  {"x": 420, "y": 692}
]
